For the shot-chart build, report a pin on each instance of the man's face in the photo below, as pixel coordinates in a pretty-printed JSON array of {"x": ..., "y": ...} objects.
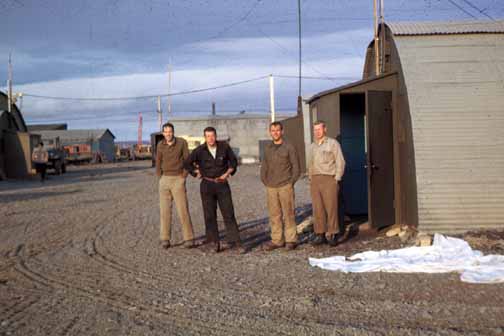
[
  {"x": 276, "y": 132},
  {"x": 319, "y": 131},
  {"x": 210, "y": 138},
  {"x": 168, "y": 134}
]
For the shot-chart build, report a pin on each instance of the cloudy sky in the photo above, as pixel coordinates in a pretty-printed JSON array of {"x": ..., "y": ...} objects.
[{"x": 122, "y": 48}]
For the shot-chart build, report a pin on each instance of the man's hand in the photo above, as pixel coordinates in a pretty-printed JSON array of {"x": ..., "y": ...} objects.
[{"x": 223, "y": 177}]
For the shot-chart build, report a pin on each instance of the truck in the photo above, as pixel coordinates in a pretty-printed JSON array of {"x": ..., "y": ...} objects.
[{"x": 57, "y": 155}]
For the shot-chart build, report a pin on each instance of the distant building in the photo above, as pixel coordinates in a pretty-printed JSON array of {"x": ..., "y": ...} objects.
[
  {"x": 16, "y": 144},
  {"x": 423, "y": 140},
  {"x": 101, "y": 141}
]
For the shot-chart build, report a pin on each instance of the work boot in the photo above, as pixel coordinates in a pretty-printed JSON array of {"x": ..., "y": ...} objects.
[
  {"x": 270, "y": 246},
  {"x": 165, "y": 244},
  {"x": 319, "y": 239},
  {"x": 238, "y": 247},
  {"x": 291, "y": 246},
  {"x": 215, "y": 247},
  {"x": 333, "y": 239},
  {"x": 189, "y": 244}
]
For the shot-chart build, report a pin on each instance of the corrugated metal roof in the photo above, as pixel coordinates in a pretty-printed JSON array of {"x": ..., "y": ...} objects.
[
  {"x": 446, "y": 28},
  {"x": 67, "y": 136}
]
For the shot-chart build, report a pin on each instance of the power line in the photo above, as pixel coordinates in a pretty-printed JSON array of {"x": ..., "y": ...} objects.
[
  {"x": 462, "y": 9},
  {"x": 180, "y": 93},
  {"x": 478, "y": 9}
]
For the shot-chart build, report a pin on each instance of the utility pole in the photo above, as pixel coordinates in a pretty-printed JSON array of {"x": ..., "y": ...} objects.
[
  {"x": 382, "y": 44},
  {"x": 140, "y": 121},
  {"x": 376, "y": 39},
  {"x": 168, "y": 98},
  {"x": 213, "y": 109},
  {"x": 9, "y": 86},
  {"x": 272, "y": 97},
  {"x": 299, "y": 31},
  {"x": 160, "y": 114}
]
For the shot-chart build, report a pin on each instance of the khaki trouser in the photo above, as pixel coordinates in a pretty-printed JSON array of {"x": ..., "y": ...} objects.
[
  {"x": 174, "y": 188},
  {"x": 324, "y": 192},
  {"x": 281, "y": 204}
]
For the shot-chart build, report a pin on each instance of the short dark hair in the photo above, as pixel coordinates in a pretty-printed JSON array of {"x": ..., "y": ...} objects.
[
  {"x": 41, "y": 144},
  {"x": 169, "y": 125},
  {"x": 276, "y": 123},
  {"x": 210, "y": 129},
  {"x": 320, "y": 122}
]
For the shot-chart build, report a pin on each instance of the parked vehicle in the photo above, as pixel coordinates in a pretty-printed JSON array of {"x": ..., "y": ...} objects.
[
  {"x": 80, "y": 153},
  {"x": 142, "y": 152},
  {"x": 57, "y": 156}
]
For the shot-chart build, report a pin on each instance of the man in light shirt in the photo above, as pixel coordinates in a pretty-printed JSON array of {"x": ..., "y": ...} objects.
[
  {"x": 40, "y": 157},
  {"x": 325, "y": 171}
]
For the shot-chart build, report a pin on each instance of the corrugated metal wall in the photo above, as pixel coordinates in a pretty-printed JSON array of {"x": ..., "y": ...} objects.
[{"x": 455, "y": 87}]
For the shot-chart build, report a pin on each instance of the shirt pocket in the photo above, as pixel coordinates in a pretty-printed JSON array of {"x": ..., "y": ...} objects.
[
  {"x": 327, "y": 156},
  {"x": 219, "y": 161}
]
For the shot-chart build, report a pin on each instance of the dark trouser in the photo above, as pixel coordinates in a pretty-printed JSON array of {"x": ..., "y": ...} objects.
[
  {"x": 213, "y": 193},
  {"x": 41, "y": 169}
]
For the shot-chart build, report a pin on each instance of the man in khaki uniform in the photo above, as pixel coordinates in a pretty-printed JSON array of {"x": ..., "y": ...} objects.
[
  {"x": 279, "y": 172},
  {"x": 40, "y": 157},
  {"x": 170, "y": 155},
  {"x": 325, "y": 171}
]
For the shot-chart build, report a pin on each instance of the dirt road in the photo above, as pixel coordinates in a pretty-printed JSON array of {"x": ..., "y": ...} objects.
[{"x": 79, "y": 255}]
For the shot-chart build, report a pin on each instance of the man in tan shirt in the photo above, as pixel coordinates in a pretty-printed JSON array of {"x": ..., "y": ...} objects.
[
  {"x": 325, "y": 171},
  {"x": 170, "y": 155},
  {"x": 40, "y": 157},
  {"x": 279, "y": 172}
]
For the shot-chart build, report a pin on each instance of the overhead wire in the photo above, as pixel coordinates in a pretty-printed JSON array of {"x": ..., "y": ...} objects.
[{"x": 473, "y": 6}]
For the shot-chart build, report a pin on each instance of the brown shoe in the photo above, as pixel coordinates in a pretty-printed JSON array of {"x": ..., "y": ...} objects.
[
  {"x": 270, "y": 246},
  {"x": 189, "y": 244},
  {"x": 291, "y": 246},
  {"x": 165, "y": 244},
  {"x": 215, "y": 247}
]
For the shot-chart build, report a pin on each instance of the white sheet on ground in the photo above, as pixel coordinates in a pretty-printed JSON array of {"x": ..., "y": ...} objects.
[{"x": 446, "y": 254}]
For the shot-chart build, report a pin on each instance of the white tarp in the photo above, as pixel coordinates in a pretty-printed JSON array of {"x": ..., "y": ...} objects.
[{"x": 446, "y": 254}]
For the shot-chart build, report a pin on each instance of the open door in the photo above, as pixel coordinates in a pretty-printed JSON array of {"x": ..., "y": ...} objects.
[{"x": 380, "y": 159}]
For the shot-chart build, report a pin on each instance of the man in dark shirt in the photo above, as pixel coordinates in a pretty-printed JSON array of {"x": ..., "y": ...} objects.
[
  {"x": 213, "y": 162},
  {"x": 279, "y": 172}
]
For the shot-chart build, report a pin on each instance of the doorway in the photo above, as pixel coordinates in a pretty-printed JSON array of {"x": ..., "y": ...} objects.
[{"x": 354, "y": 188}]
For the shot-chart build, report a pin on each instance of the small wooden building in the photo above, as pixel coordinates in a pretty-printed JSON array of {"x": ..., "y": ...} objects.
[
  {"x": 16, "y": 144},
  {"x": 423, "y": 140},
  {"x": 101, "y": 141}
]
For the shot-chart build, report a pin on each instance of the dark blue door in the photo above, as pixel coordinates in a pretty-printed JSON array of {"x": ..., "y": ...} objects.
[{"x": 354, "y": 184}]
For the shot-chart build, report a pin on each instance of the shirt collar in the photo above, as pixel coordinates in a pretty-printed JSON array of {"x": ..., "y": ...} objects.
[{"x": 324, "y": 139}]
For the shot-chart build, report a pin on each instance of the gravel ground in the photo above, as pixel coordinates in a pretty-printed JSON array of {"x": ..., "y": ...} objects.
[{"x": 79, "y": 255}]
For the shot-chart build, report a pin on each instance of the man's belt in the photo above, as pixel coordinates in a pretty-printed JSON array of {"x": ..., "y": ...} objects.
[{"x": 214, "y": 179}]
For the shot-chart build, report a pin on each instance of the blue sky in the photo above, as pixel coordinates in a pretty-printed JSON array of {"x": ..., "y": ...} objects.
[{"x": 122, "y": 48}]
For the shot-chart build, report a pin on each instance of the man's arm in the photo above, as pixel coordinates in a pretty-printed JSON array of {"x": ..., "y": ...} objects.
[
  {"x": 185, "y": 155},
  {"x": 189, "y": 162},
  {"x": 294, "y": 160},
  {"x": 340, "y": 162},
  {"x": 264, "y": 167},
  {"x": 159, "y": 158},
  {"x": 233, "y": 161}
]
